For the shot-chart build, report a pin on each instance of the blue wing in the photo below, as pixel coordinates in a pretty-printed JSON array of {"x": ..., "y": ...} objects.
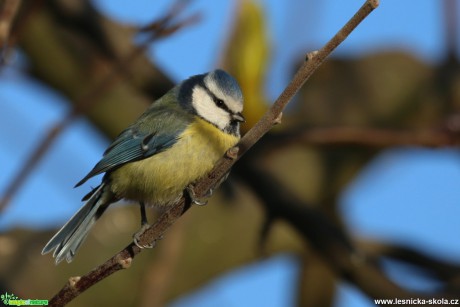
[{"x": 141, "y": 141}]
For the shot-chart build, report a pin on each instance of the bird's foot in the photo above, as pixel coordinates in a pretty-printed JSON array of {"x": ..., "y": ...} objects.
[
  {"x": 137, "y": 236},
  {"x": 193, "y": 198}
]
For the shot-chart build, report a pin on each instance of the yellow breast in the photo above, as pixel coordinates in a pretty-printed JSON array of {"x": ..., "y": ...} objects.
[{"x": 161, "y": 178}]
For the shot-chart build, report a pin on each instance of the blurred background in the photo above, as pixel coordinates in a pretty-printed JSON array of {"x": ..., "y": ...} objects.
[{"x": 353, "y": 198}]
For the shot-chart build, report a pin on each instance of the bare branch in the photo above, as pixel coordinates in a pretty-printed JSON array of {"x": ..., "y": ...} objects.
[
  {"x": 121, "y": 260},
  {"x": 314, "y": 60},
  {"x": 274, "y": 114}
]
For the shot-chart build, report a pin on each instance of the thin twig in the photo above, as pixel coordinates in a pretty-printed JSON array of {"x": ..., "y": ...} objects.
[
  {"x": 121, "y": 260},
  {"x": 273, "y": 116}
]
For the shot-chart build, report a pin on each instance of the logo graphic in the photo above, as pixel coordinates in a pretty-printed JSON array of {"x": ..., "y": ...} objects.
[{"x": 9, "y": 299}]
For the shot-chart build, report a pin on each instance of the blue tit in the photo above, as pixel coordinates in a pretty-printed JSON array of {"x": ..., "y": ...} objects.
[{"x": 175, "y": 142}]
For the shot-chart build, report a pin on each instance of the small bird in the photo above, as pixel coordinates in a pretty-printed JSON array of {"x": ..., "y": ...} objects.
[{"x": 175, "y": 142}]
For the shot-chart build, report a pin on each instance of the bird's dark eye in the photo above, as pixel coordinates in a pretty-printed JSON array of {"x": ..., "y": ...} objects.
[{"x": 219, "y": 102}]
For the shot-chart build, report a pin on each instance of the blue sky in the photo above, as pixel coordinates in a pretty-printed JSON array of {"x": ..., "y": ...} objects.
[{"x": 405, "y": 194}]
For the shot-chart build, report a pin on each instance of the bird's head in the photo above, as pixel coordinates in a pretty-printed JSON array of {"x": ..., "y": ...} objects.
[{"x": 215, "y": 97}]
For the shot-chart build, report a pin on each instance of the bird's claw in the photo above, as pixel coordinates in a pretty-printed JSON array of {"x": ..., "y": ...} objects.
[
  {"x": 193, "y": 198},
  {"x": 137, "y": 235}
]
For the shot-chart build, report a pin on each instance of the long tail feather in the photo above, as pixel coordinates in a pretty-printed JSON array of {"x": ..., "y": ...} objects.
[{"x": 69, "y": 238}]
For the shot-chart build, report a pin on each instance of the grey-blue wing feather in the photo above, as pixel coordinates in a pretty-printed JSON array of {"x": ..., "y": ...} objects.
[
  {"x": 141, "y": 141},
  {"x": 130, "y": 150}
]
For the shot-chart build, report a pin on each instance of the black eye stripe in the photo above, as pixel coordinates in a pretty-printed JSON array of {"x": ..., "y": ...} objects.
[{"x": 217, "y": 101}]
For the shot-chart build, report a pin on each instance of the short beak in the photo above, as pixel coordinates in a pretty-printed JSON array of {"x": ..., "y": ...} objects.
[{"x": 238, "y": 117}]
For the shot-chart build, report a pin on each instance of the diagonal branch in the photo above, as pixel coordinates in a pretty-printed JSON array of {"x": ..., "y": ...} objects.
[{"x": 123, "y": 259}]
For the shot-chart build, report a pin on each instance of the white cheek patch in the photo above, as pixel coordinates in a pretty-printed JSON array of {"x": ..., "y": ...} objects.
[{"x": 207, "y": 109}]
